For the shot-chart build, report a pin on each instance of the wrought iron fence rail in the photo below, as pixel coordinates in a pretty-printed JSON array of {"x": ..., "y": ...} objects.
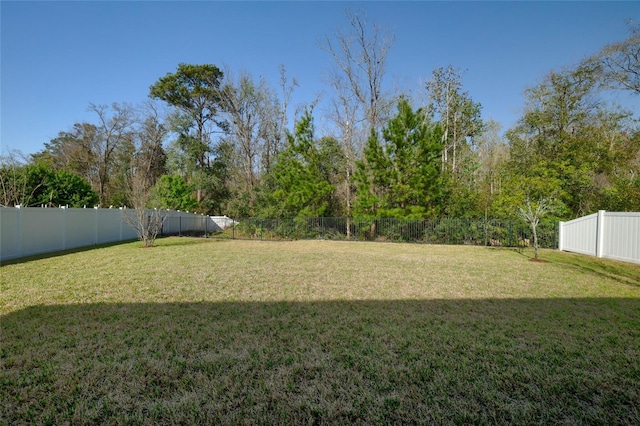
[{"x": 497, "y": 233}]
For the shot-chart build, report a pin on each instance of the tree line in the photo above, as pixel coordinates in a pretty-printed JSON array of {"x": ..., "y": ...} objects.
[{"x": 213, "y": 141}]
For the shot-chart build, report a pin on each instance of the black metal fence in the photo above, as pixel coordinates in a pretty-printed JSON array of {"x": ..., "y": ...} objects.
[{"x": 506, "y": 233}]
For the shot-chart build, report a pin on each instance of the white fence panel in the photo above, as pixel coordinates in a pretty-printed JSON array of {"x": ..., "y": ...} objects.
[
  {"x": 127, "y": 232},
  {"x": 220, "y": 223},
  {"x": 31, "y": 230},
  {"x": 579, "y": 235},
  {"x": 614, "y": 235},
  {"x": 10, "y": 241},
  {"x": 42, "y": 230},
  {"x": 622, "y": 236},
  {"x": 79, "y": 223},
  {"x": 172, "y": 224},
  {"x": 109, "y": 225}
]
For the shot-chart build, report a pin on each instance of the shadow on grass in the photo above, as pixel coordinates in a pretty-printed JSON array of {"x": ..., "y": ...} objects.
[
  {"x": 438, "y": 361},
  {"x": 622, "y": 272}
]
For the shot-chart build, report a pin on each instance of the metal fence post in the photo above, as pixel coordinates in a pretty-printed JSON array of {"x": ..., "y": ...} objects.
[
  {"x": 510, "y": 231},
  {"x": 486, "y": 233},
  {"x": 427, "y": 230}
]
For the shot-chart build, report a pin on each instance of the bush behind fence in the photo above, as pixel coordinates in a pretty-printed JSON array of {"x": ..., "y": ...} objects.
[{"x": 498, "y": 233}]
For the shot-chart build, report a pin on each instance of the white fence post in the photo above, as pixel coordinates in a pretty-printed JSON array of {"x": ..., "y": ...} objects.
[
  {"x": 19, "y": 221},
  {"x": 121, "y": 221},
  {"x": 560, "y": 235},
  {"x": 600, "y": 233},
  {"x": 64, "y": 227},
  {"x": 95, "y": 228}
]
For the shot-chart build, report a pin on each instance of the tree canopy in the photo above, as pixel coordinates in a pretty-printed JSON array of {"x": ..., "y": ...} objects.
[
  {"x": 400, "y": 174},
  {"x": 219, "y": 142}
]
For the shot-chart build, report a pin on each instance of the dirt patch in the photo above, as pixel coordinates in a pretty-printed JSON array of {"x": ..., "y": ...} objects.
[{"x": 533, "y": 259}]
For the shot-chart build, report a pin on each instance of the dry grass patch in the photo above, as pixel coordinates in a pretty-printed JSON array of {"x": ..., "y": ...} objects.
[{"x": 209, "y": 331}]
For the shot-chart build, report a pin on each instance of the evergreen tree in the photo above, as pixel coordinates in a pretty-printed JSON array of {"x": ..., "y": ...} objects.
[
  {"x": 400, "y": 175},
  {"x": 301, "y": 181}
]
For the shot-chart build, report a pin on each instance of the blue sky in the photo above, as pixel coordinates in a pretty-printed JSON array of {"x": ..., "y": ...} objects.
[{"x": 57, "y": 57}]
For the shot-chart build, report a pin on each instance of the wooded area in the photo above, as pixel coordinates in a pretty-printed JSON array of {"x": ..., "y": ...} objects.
[{"x": 214, "y": 141}]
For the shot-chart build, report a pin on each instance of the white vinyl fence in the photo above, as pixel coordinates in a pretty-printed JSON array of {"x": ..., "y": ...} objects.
[
  {"x": 25, "y": 231},
  {"x": 603, "y": 234}
]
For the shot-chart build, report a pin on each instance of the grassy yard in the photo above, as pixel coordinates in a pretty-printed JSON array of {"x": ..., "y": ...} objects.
[{"x": 318, "y": 332}]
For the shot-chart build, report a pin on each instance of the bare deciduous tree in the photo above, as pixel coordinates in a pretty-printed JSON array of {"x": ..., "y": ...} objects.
[
  {"x": 619, "y": 63},
  {"x": 113, "y": 129},
  {"x": 276, "y": 140},
  {"x": 254, "y": 130},
  {"x": 533, "y": 214},
  {"x": 244, "y": 103},
  {"x": 459, "y": 116},
  {"x": 146, "y": 166},
  {"x": 146, "y": 222},
  {"x": 359, "y": 105},
  {"x": 343, "y": 114},
  {"x": 492, "y": 152},
  {"x": 150, "y": 134},
  {"x": 359, "y": 56}
]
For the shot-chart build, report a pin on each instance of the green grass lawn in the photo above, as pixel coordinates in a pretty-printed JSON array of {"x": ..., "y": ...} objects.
[{"x": 317, "y": 332}]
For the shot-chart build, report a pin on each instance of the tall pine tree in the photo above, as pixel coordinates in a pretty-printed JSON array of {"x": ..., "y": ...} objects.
[
  {"x": 301, "y": 182},
  {"x": 400, "y": 175}
]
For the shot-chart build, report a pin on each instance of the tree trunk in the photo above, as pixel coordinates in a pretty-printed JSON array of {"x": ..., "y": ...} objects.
[
  {"x": 535, "y": 239},
  {"x": 348, "y": 201}
]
